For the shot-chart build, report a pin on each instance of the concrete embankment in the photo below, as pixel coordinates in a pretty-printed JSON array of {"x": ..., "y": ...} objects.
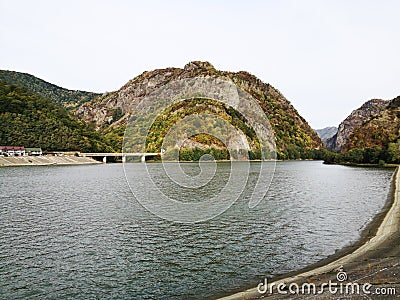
[
  {"x": 374, "y": 259},
  {"x": 45, "y": 160}
]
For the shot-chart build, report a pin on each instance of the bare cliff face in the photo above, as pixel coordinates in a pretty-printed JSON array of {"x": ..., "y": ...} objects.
[
  {"x": 113, "y": 109},
  {"x": 368, "y": 110}
]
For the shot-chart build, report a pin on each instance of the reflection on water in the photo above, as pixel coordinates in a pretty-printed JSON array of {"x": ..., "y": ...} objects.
[{"x": 78, "y": 233}]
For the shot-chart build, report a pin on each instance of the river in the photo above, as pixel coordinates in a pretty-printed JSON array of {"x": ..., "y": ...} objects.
[{"x": 77, "y": 232}]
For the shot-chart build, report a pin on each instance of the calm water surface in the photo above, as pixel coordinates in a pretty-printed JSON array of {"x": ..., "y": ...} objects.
[{"x": 77, "y": 232}]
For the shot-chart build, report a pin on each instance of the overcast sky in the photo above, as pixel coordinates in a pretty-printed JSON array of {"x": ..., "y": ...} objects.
[{"x": 326, "y": 57}]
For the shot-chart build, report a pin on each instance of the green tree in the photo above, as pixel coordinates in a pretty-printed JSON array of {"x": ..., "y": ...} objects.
[{"x": 394, "y": 152}]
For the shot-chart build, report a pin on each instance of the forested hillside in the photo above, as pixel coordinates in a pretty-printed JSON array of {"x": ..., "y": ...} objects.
[
  {"x": 294, "y": 137},
  {"x": 376, "y": 139},
  {"x": 65, "y": 97},
  {"x": 30, "y": 120}
]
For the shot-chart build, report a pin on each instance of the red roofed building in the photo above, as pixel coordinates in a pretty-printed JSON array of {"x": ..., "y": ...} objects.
[{"x": 12, "y": 150}]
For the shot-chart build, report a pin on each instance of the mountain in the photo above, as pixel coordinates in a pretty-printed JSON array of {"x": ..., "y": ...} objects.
[
  {"x": 374, "y": 137},
  {"x": 30, "y": 120},
  {"x": 369, "y": 109},
  {"x": 379, "y": 130},
  {"x": 326, "y": 133},
  {"x": 294, "y": 137},
  {"x": 67, "y": 98}
]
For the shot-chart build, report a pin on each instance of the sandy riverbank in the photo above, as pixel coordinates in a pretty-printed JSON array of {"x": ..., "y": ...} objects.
[
  {"x": 45, "y": 161},
  {"x": 374, "y": 259}
]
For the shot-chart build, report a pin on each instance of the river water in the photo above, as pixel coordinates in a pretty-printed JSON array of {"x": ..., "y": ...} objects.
[{"x": 77, "y": 232}]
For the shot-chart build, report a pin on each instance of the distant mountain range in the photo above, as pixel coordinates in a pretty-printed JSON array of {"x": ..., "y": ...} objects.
[{"x": 326, "y": 133}]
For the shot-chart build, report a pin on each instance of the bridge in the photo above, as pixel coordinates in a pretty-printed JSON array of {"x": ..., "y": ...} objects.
[{"x": 123, "y": 155}]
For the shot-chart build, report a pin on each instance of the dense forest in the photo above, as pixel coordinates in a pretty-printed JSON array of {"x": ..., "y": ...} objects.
[
  {"x": 30, "y": 120},
  {"x": 371, "y": 155}
]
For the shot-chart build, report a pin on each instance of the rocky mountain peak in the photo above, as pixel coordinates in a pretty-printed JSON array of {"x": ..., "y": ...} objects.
[
  {"x": 374, "y": 104},
  {"x": 199, "y": 65}
]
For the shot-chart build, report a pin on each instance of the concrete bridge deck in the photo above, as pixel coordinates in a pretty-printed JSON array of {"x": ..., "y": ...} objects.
[{"x": 123, "y": 155}]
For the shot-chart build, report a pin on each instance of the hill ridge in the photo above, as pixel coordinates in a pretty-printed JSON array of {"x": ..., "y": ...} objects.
[{"x": 67, "y": 98}]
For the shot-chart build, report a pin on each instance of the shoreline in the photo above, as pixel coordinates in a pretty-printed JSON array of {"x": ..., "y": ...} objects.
[
  {"x": 23, "y": 161},
  {"x": 373, "y": 244},
  {"x": 362, "y": 165}
]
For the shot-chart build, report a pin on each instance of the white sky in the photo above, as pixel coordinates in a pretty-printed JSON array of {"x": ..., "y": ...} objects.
[{"x": 326, "y": 57}]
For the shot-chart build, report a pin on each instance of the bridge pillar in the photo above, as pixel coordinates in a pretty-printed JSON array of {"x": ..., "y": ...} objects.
[
  {"x": 124, "y": 159},
  {"x": 143, "y": 158},
  {"x": 105, "y": 159}
]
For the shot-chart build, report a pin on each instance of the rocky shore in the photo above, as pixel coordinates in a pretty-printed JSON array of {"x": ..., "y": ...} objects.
[
  {"x": 45, "y": 160},
  {"x": 374, "y": 261}
]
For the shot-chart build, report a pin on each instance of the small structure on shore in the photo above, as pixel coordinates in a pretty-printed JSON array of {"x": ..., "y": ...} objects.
[
  {"x": 19, "y": 151},
  {"x": 12, "y": 150},
  {"x": 33, "y": 151}
]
